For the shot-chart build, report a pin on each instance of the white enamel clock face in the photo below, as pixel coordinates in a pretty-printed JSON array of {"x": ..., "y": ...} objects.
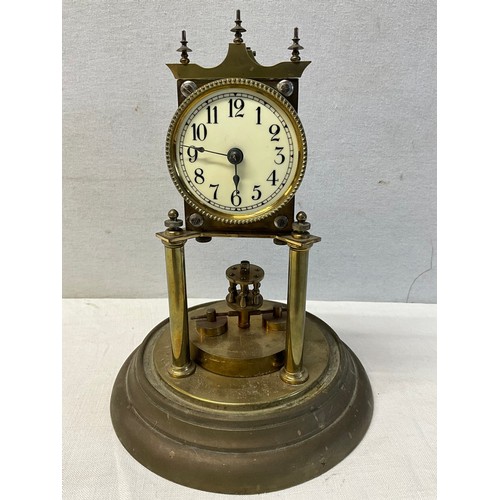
[{"x": 236, "y": 150}]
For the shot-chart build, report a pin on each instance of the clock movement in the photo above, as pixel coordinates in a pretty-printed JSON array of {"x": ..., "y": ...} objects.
[{"x": 244, "y": 394}]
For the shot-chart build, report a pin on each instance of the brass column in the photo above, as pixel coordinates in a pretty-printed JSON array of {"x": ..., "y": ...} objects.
[
  {"x": 299, "y": 243},
  {"x": 294, "y": 372},
  {"x": 182, "y": 366}
]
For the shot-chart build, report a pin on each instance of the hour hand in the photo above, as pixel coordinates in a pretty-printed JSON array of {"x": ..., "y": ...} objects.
[
  {"x": 236, "y": 177},
  {"x": 235, "y": 156}
]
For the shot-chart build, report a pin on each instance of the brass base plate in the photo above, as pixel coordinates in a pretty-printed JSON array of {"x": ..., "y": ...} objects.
[{"x": 242, "y": 435}]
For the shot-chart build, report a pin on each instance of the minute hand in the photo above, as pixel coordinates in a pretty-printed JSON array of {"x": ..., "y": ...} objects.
[{"x": 201, "y": 149}]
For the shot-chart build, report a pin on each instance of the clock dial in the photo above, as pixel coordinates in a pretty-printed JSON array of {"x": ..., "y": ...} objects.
[{"x": 236, "y": 150}]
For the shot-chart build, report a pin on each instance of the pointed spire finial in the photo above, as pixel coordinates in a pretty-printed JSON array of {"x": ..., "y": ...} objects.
[
  {"x": 184, "y": 49},
  {"x": 295, "y": 47},
  {"x": 238, "y": 29}
]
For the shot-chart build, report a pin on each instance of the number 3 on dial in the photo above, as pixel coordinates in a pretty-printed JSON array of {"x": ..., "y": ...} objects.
[{"x": 236, "y": 150}]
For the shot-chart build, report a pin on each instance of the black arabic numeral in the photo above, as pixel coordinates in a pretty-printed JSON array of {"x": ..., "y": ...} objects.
[
  {"x": 212, "y": 114},
  {"x": 238, "y": 105},
  {"x": 216, "y": 186},
  {"x": 279, "y": 155},
  {"x": 199, "y": 132},
  {"x": 258, "y": 193},
  {"x": 258, "y": 116},
  {"x": 192, "y": 152},
  {"x": 198, "y": 176},
  {"x": 236, "y": 198},
  {"x": 274, "y": 130},
  {"x": 272, "y": 178}
]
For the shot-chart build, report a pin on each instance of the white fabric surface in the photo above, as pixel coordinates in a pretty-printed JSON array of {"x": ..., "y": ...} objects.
[{"x": 396, "y": 460}]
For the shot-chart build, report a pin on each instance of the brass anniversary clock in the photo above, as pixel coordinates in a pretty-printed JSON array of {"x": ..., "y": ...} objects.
[{"x": 241, "y": 395}]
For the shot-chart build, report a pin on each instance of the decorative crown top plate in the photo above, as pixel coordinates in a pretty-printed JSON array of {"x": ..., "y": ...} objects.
[{"x": 239, "y": 62}]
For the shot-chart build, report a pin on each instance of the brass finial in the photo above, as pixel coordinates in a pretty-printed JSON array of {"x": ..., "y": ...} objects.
[
  {"x": 238, "y": 29},
  {"x": 295, "y": 47},
  {"x": 184, "y": 49}
]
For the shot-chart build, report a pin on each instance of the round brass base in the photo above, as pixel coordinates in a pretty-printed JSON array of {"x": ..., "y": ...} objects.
[{"x": 242, "y": 435}]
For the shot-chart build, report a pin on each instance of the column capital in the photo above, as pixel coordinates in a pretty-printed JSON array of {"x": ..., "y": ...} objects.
[
  {"x": 299, "y": 241},
  {"x": 176, "y": 238}
]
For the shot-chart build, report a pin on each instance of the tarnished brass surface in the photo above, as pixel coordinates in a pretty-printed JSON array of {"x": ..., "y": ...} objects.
[
  {"x": 242, "y": 353},
  {"x": 276, "y": 320},
  {"x": 244, "y": 295},
  {"x": 182, "y": 236},
  {"x": 294, "y": 371},
  {"x": 211, "y": 325},
  {"x": 238, "y": 441},
  {"x": 181, "y": 365},
  {"x": 239, "y": 62},
  {"x": 265, "y": 228}
]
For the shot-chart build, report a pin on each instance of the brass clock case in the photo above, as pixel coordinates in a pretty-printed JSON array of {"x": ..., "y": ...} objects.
[{"x": 281, "y": 104}]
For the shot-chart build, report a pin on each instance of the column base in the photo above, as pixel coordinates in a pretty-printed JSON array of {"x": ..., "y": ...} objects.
[
  {"x": 182, "y": 371},
  {"x": 294, "y": 378}
]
